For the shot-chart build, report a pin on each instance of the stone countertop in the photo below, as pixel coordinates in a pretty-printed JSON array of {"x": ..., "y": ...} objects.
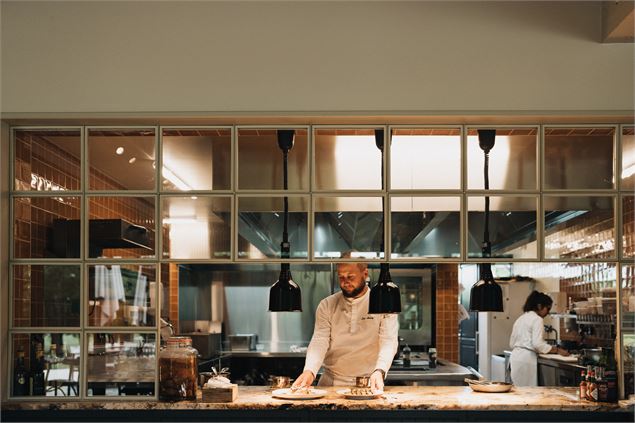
[{"x": 450, "y": 398}]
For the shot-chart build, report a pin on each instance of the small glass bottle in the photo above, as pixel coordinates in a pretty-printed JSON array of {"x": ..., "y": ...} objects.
[
  {"x": 432, "y": 358},
  {"x": 178, "y": 370},
  {"x": 406, "y": 356},
  {"x": 20, "y": 377}
]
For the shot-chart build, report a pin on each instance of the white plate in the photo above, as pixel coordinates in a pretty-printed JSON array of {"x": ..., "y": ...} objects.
[
  {"x": 347, "y": 394},
  {"x": 287, "y": 393}
]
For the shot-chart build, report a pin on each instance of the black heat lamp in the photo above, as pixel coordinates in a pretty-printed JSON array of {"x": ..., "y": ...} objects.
[
  {"x": 486, "y": 294},
  {"x": 284, "y": 295},
  {"x": 384, "y": 296}
]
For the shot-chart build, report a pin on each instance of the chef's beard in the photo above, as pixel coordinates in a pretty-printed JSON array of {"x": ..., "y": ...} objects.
[{"x": 355, "y": 292}]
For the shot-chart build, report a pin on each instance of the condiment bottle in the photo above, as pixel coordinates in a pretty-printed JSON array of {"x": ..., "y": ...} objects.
[
  {"x": 432, "y": 357},
  {"x": 20, "y": 377},
  {"x": 583, "y": 385},
  {"x": 406, "y": 356},
  {"x": 592, "y": 389},
  {"x": 603, "y": 387}
]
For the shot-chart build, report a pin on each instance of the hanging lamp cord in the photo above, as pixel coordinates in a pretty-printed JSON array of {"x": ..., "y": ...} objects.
[
  {"x": 285, "y": 231},
  {"x": 486, "y": 243}
]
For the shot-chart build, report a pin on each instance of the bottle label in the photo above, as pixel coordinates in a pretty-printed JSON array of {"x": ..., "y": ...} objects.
[
  {"x": 582, "y": 392},
  {"x": 594, "y": 394}
]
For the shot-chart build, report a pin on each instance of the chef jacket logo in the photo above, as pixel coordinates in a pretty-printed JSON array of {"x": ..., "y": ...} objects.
[{"x": 368, "y": 318}]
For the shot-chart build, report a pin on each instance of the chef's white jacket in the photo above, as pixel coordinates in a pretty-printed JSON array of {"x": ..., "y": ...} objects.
[
  {"x": 349, "y": 342},
  {"x": 527, "y": 341}
]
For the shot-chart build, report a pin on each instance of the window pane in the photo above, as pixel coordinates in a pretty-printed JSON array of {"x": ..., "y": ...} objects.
[
  {"x": 121, "y": 364},
  {"x": 579, "y": 227},
  {"x": 46, "y": 295},
  {"x": 348, "y": 223},
  {"x": 122, "y": 159},
  {"x": 121, "y": 295},
  {"x": 260, "y": 160},
  {"x": 121, "y": 227},
  {"x": 46, "y": 227},
  {"x": 628, "y": 158},
  {"x": 196, "y": 159},
  {"x": 261, "y": 222},
  {"x": 346, "y": 159},
  {"x": 196, "y": 227},
  {"x": 414, "y": 167},
  {"x": 628, "y": 327},
  {"x": 579, "y": 158},
  {"x": 628, "y": 226},
  {"x": 426, "y": 226},
  {"x": 512, "y": 226},
  {"x": 50, "y": 359},
  {"x": 512, "y": 160},
  {"x": 47, "y": 159}
]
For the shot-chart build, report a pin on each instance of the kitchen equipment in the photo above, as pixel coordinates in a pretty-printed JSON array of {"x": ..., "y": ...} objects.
[
  {"x": 207, "y": 344},
  {"x": 590, "y": 356},
  {"x": 178, "y": 370},
  {"x": 298, "y": 394},
  {"x": 487, "y": 386},
  {"x": 243, "y": 342},
  {"x": 279, "y": 382},
  {"x": 362, "y": 381}
]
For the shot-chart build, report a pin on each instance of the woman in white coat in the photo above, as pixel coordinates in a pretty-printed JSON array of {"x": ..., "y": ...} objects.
[{"x": 527, "y": 340}]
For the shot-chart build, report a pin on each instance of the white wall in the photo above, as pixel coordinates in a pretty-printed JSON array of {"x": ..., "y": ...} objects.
[{"x": 213, "y": 56}]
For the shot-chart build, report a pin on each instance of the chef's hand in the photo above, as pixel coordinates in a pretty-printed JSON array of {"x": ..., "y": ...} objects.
[
  {"x": 305, "y": 379},
  {"x": 377, "y": 381},
  {"x": 562, "y": 352}
]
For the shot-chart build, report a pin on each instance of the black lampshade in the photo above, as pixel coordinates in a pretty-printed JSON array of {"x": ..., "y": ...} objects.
[
  {"x": 486, "y": 294},
  {"x": 384, "y": 296},
  {"x": 284, "y": 295}
]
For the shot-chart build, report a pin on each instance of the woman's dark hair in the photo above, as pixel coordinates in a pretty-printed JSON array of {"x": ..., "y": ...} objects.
[{"x": 537, "y": 300}]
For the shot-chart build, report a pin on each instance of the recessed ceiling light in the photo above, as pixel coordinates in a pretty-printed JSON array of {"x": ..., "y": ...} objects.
[
  {"x": 119, "y": 151},
  {"x": 194, "y": 197},
  {"x": 132, "y": 160}
]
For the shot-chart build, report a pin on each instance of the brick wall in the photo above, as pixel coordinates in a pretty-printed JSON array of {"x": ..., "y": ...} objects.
[{"x": 447, "y": 311}]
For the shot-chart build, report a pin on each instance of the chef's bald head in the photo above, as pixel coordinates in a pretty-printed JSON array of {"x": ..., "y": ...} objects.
[{"x": 349, "y": 254}]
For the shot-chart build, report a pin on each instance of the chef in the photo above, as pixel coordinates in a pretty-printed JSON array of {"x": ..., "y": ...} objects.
[
  {"x": 527, "y": 340},
  {"x": 347, "y": 340}
]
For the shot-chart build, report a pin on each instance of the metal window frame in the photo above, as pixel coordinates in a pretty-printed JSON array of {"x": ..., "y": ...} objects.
[{"x": 616, "y": 192}]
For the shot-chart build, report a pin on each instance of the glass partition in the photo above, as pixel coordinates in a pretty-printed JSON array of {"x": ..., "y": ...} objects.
[
  {"x": 45, "y": 364},
  {"x": 425, "y": 227},
  {"x": 46, "y": 227},
  {"x": 196, "y": 227},
  {"x": 47, "y": 159},
  {"x": 46, "y": 295},
  {"x": 628, "y": 158},
  {"x": 579, "y": 227},
  {"x": 579, "y": 158},
  {"x": 121, "y": 364},
  {"x": 196, "y": 159},
  {"x": 628, "y": 328},
  {"x": 628, "y": 226},
  {"x": 425, "y": 158},
  {"x": 260, "y": 160},
  {"x": 346, "y": 159},
  {"x": 121, "y": 295},
  {"x": 348, "y": 223},
  {"x": 512, "y": 160},
  {"x": 512, "y": 226},
  {"x": 121, "y": 227},
  {"x": 122, "y": 159},
  {"x": 261, "y": 223}
]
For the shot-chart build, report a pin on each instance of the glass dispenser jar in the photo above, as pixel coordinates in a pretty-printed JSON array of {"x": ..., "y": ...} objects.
[{"x": 178, "y": 371}]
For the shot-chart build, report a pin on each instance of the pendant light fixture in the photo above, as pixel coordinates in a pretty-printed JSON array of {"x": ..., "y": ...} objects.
[
  {"x": 486, "y": 294},
  {"x": 284, "y": 295},
  {"x": 384, "y": 296}
]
